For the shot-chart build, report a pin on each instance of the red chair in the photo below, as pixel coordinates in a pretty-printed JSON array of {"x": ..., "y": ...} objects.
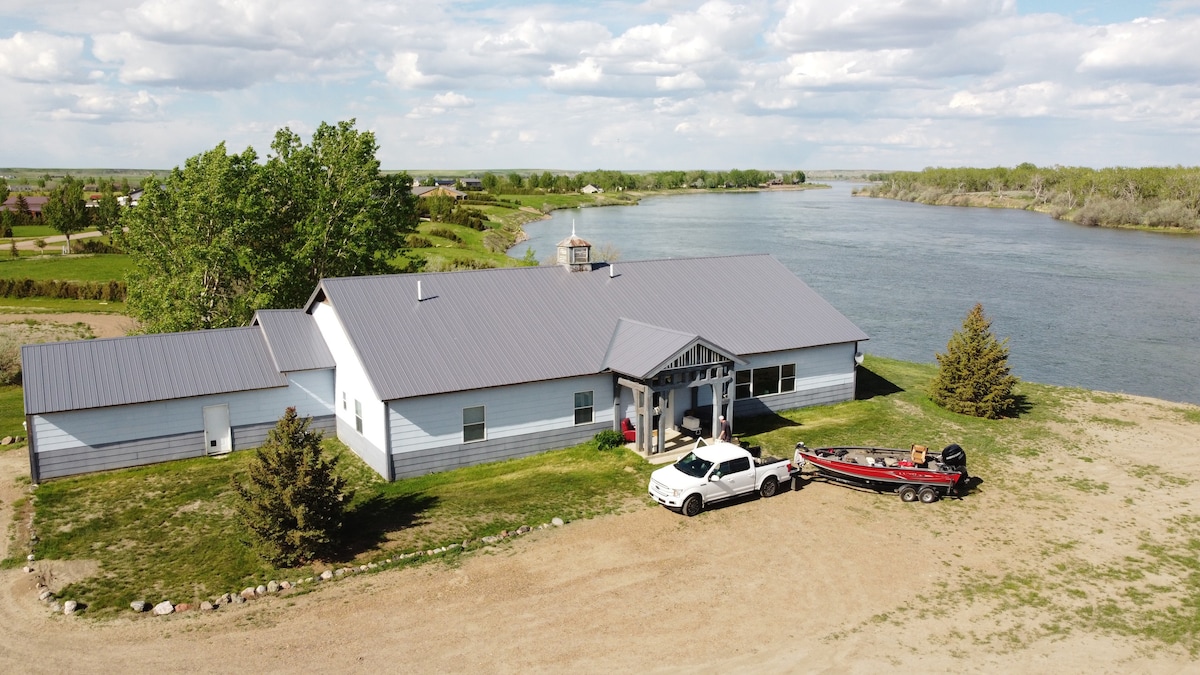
[{"x": 628, "y": 431}]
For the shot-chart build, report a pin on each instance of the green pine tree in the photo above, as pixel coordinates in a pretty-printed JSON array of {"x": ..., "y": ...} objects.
[
  {"x": 293, "y": 501},
  {"x": 973, "y": 375}
]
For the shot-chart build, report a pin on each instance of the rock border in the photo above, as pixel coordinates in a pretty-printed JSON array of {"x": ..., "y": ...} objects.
[{"x": 275, "y": 587}]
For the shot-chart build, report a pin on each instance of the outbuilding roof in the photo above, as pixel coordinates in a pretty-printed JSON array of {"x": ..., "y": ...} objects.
[
  {"x": 84, "y": 374},
  {"x": 293, "y": 339},
  {"x": 489, "y": 328}
]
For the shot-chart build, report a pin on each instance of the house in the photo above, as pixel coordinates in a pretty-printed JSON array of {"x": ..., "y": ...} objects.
[
  {"x": 420, "y": 373},
  {"x": 472, "y": 184},
  {"x": 35, "y": 204},
  {"x": 590, "y": 189}
]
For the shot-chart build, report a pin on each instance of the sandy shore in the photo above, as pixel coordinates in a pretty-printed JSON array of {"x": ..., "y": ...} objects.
[{"x": 822, "y": 579}]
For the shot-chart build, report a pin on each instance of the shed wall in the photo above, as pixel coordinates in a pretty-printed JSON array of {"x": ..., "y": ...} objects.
[{"x": 81, "y": 441}]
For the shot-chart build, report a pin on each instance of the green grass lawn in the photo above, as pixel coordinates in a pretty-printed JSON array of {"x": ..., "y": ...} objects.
[
  {"x": 30, "y": 231},
  {"x": 77, "y": 267},
  {"x": 59, "y": 306},
  {"x": 167, "y": 531},
  {"x": 12, "y": 410}
]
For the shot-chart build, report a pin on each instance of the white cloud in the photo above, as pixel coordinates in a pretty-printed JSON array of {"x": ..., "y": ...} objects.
[
  {"x": 681, "y": 82},
  {"x": 453, "y": 100},
  {"x": 878, "y": 24},
  {"x": 41, "y": 57},
  {"x": 1152, "y": 50},
  {"x": 582, "y": 76}
]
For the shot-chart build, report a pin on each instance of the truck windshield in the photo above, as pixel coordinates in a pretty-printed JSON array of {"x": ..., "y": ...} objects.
[{"x": 693, "y": 465}]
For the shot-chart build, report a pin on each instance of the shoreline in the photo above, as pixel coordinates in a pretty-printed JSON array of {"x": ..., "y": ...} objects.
[{"x": 990, "y": 200}]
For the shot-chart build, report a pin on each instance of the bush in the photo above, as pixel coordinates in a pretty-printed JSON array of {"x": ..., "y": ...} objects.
[
  {"x": 95, "y": 245},
  {"x": 446, "y": 233},
  {"x": 293, "y": 500},
  {"x": 71, "y": 290},
  {"x": 608, "y": 439},
  {"x": 418, "y": 241}
]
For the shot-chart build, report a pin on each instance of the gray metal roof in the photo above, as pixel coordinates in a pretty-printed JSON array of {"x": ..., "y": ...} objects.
[
  {"x": 83, "y": 374},
  {"x": 640, "y": 350},
  {"x": 488, "y": 328},
  {"x": 293, "y": 339}
]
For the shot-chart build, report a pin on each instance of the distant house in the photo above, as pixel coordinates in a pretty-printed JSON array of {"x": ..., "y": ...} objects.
[
  {"x": 590, "y": 189},
  {"x": 438, "y": 191},
  {"x": 472, "y": 184},
  {"x": 445, "y": 182},
  {"x": 419, "y": 373},
  {"x": 132, "y": 198},
  {"x": 35, "y": 204}
]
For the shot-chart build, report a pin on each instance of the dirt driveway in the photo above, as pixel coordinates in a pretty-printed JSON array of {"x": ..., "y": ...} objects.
[{"x": 823, "y": 579}]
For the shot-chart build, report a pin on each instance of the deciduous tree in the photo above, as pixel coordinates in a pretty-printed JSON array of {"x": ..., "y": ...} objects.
[
  {"x": 66, "y": 211},
  {"x": 973, "y": 375},
  {"x": 293, "y": 500}
]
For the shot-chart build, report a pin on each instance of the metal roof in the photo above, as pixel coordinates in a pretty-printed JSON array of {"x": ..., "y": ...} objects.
[
  {"x": 488, "y": 328},
  {"x": 293, "y": 339},
  {"x": 640, "y": 350},
  {"x": 81, "y": 374}
]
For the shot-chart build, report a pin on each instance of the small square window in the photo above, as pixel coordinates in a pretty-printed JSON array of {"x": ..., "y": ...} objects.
[
  {"x": 474, "y": 425},
  {"x": 583, "y": 408}
]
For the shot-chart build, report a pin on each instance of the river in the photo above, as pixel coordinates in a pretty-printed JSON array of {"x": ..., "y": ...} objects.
[{"x": 1113, "y": 310}]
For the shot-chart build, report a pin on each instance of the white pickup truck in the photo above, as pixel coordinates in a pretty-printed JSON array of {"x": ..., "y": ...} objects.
[{"x": 714, "y": 472}]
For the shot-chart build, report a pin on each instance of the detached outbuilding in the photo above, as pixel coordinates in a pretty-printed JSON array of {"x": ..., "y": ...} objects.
[{"x": 420, "y": 373}]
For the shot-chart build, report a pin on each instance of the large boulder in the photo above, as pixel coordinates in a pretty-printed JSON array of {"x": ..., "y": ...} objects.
[{"x": 163, "y": 608}]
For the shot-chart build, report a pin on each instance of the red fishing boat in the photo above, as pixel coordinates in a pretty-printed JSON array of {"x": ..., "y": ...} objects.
[{"x": 915, "y": 474}]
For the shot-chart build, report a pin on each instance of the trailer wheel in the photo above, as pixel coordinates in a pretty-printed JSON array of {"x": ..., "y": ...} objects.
[
  {"x": 908, "y": 493},
  {"x": 692, "y": 506},
  {"x": 769, "y": 487},
  {"x": 928, "y": 495}
]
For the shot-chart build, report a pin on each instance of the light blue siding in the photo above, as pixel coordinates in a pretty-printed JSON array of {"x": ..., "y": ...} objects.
[
  {"x": 68, "y": 443},
  {"x": 518, "y": 419},
  {"x": 823, "y": 375}
]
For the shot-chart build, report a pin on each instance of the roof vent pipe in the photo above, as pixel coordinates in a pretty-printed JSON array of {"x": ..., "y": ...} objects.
[
  {"x": 420, "y": 296},
  {"x": 612, "y": 270}
]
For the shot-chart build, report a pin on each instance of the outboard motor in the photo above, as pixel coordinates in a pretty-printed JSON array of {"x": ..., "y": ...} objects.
[{"x": 955, "y": 457}]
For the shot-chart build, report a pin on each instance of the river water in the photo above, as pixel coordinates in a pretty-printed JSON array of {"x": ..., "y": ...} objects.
[{"x": 1113, "y": 310}]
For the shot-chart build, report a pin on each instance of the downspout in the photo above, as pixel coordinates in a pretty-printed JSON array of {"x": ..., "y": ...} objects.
[{"x": 390, "y": 474}]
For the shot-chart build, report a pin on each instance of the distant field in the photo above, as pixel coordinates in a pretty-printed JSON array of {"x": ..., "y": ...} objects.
[{"x": 78, "y": 267}]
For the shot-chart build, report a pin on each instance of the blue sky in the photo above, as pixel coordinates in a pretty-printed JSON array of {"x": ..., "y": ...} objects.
[{"x": 660, "y": 84}]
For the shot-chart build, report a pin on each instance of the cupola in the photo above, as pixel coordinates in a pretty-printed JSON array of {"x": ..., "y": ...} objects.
[{"x": 574, "y": 253}]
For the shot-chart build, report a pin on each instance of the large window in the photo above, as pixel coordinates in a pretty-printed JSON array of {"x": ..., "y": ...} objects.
[
  {"x": 474, "y": 428},
  {"x": 583, "y": 407},
  {"x": 764, "y": 381}
]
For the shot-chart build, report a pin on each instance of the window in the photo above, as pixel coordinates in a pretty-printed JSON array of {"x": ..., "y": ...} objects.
[
  {"x": 343, "y": 400},
  {"x": 579, "y": 255},
  {"x": 787, "y": 377},
  {"x": 474, "y": 428},
  {"x": 741, "y": 380},
  {"x": 765, "y": 381},
  {"x": 583, "y": 407},
  {"x": 358, "y": 415}
]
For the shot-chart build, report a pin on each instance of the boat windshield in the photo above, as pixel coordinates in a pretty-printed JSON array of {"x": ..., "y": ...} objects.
[{"x": 693, "y": 465}]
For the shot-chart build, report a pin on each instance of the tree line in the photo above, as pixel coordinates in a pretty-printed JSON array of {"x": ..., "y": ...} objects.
[
  {"x": 515, "y": 183},
  {"x": 226, "y": 235},
  {"x": 1148, "y": 196}
]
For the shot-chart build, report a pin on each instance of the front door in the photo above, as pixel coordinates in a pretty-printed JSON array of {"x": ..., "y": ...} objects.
[{"x": 218, "y": 439}]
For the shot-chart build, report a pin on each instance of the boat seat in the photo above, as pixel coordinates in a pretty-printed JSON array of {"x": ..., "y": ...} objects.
[{"x": 918, "y": 454}]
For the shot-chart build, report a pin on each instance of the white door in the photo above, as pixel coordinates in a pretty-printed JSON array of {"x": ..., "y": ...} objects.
[{"x": 218, "y": 439}]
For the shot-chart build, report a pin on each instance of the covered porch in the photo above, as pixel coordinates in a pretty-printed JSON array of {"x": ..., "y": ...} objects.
[{"x": 668, "y": 385}]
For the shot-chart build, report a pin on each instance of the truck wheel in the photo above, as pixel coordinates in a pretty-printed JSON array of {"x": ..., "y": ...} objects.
[
  {"x": 908, "y": 493},
  {"x": 769, "y": 486},
  {"x": 928, "y": 495},
  {"x": 692, "y": 506}
]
